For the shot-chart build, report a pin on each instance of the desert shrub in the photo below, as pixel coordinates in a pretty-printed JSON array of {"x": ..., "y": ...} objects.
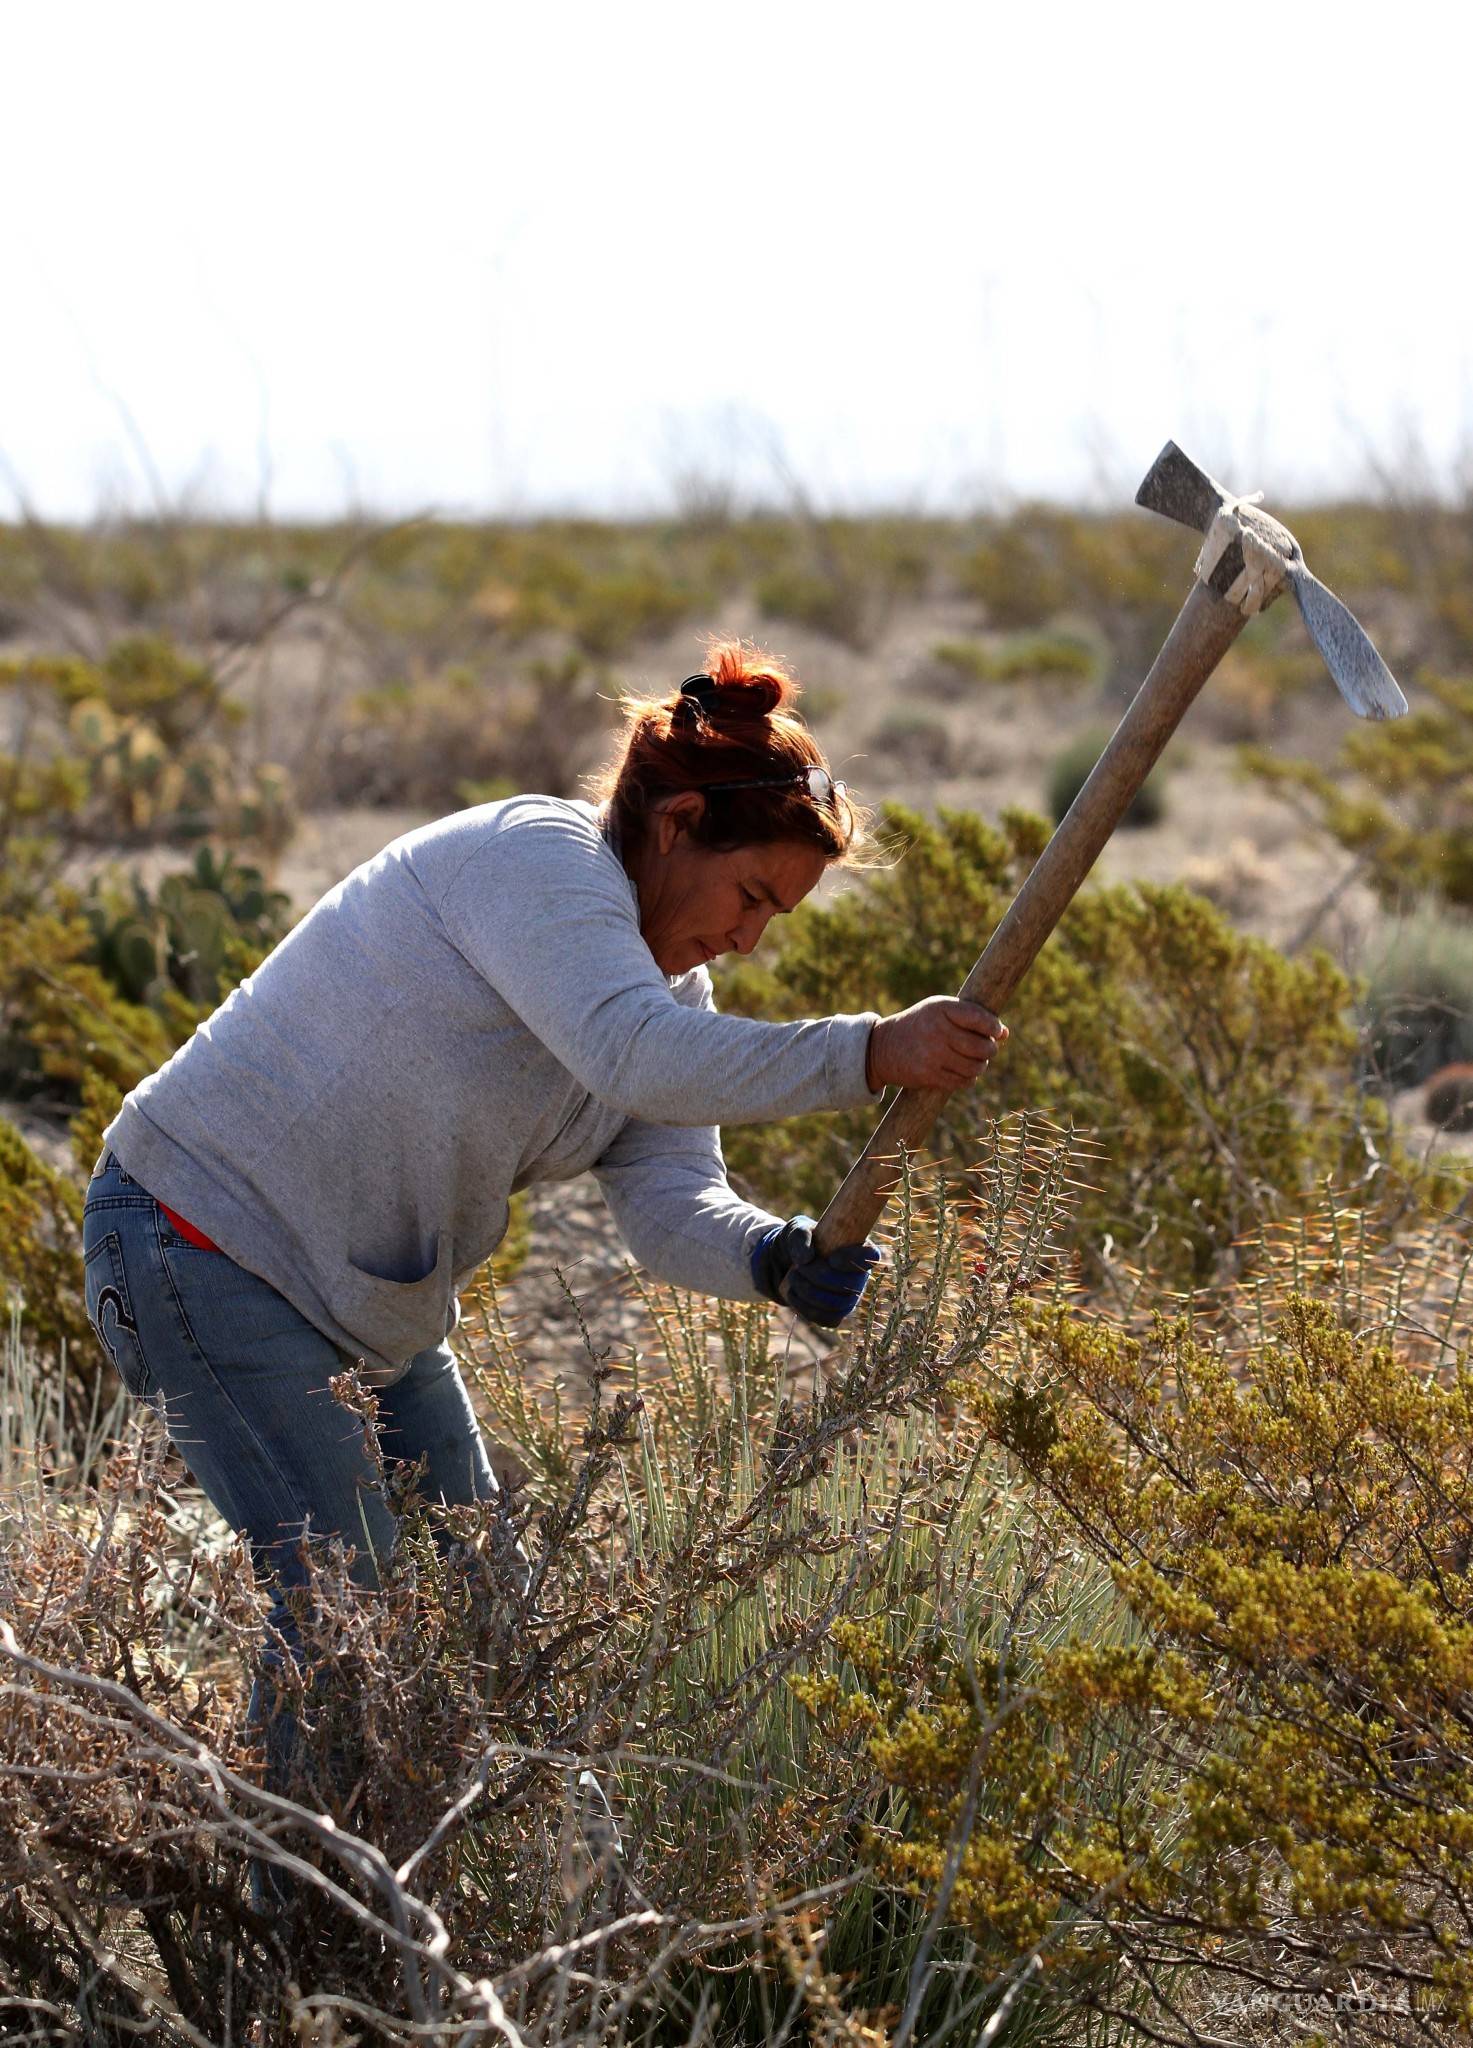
[
  {"x": 1400, "y": 796},
  {"x": 611, "y": 614},
  {"x": 41, "y": 1257},
  {"x": 425, "y": 741},
  {"x": 1066, "y": 657},
  {"x": 1072, "y": 767},
  {"x": 605, "y": 587},
  {"x": 955, "y": 667},
  {"x": 812, "y": 599},
  {"x": 1275, "y": 1754},
  {"x": 951, "y": 671},
  {"x": 844, "y": 577},
  {"x": 914, "y": 742},
  {"x": 95, "y": 994},
  {"x": 1449, "y": 1098},
  {"x": 1015, "y": 572},
  {"x": 72, "y": 1044},
  {"x": 62, "y": 1018},
  {"x": 1417, "y": 1009},
  {"x": 1128, "y": 574},
  {"x": 1217, "y": 1074}
]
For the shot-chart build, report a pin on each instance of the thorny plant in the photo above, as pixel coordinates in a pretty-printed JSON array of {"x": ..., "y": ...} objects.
[
  {"x": 454, "y": 1876},
  {"x": 933, "y": 1689}
]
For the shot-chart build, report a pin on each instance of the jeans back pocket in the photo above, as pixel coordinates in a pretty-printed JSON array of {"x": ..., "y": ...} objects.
[{"x": 111, "y": 1315}]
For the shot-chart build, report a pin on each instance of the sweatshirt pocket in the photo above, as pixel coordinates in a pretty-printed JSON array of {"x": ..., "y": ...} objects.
[{"x": 398, "y": 1317}]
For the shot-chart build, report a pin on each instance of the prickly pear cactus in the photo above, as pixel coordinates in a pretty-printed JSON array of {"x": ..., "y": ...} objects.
[
  {"x": 194, "y": 936},
  {"x": 138, "y": 753}
]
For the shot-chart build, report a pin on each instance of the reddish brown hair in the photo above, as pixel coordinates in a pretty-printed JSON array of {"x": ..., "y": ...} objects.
[{"x": 747, "y": 730}]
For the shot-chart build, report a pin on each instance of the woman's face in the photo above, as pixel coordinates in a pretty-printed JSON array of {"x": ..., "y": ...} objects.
[{"x": 694, "y": 903}]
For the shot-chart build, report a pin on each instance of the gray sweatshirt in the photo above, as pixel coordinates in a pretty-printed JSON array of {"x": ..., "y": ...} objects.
[{"x": 472, "y": 1010}]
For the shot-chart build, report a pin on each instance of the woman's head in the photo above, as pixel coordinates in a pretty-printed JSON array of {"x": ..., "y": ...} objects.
[{"x": 712, "y": 862}]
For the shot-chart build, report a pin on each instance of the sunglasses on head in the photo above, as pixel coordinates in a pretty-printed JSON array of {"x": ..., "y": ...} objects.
[{"x": 819, "y": 784}]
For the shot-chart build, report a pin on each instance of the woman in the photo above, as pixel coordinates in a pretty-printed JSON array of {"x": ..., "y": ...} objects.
[{"x": 514, "y": 993}]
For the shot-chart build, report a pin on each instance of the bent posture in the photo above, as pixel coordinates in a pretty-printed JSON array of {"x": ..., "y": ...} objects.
[{"x": 515, "y": 993}]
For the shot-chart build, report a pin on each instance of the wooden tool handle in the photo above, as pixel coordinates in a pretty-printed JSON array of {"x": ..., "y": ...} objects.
[{"x": 1204, "y": 630}]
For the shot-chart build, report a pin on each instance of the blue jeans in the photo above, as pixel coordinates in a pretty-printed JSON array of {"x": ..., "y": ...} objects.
[{"x": 240, "y": 1379}]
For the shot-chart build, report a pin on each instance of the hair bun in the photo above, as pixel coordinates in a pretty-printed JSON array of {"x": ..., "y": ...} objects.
[
  {"x": 735, "y": 690},
  {"x": 750, "y": 684},
  {"x": 739, "y": 697}
]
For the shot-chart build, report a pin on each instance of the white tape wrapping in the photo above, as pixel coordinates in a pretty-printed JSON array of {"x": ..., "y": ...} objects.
[{"x": 1262, "y": 575}]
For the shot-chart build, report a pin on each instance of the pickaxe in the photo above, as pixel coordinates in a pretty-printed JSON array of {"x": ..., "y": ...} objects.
[{"x": 1246, "y": 559}]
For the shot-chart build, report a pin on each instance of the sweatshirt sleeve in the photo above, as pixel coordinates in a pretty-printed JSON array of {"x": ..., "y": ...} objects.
[
  {"x": 676, "y": 1211},
  {"x": 543, "y": 910},
  {"x": 674, "y": 1207}
]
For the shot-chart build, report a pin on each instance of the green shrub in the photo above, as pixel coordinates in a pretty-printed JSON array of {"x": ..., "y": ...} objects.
[
  {"x": 1073, "y": 766},
  {"x": 1400, "y": 796},
  {"x": 844, "y": 577},
  {"x": 957, "y": 665},
  {"x": 1216, "y": 1074},
  {"x": 1274, "y": 1754},
  {"x": 914, "y": 742},
  {"x": 1015, "y": 572},
  {"x": 68, "y": 1038},
  {"x": 1417, "y": 1010},
  {"x": 611, "y": 614},
  {"x": 824, "y": 603}
]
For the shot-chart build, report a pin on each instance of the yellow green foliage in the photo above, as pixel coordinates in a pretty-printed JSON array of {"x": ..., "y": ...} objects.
[
  {"x": 1066, "y": 657},
  {"x": 1214, "y": 1071},
  {"x": 1278, "y": 1745},
  {"x": 66, "y": 1033},
  {"x": 1400, "y": 796}
]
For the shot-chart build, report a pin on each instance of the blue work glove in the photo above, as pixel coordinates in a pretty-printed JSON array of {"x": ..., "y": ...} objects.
[{"x": 786, "y": 1268}]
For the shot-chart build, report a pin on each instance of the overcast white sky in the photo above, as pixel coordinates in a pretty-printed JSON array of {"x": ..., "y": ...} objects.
[{"x": 502, "y": 259}]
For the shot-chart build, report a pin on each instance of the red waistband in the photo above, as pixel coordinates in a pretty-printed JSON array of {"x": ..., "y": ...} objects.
[{"x": 188, "y": 1231}]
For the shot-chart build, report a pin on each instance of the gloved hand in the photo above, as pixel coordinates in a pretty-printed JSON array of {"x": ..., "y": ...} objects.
[{"x": 786, "y": 1268}]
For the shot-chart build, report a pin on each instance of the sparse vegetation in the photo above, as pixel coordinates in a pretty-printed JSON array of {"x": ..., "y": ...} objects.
[
  {"x": 442, "y": 741},
  {"x": 912, "y": 741},
  {"x": 1063, "y": 657}
]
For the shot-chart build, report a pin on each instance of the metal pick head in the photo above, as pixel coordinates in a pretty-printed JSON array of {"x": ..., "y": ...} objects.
[
  {"x": 1364, "y": 680},
  {"x": 1176, "y": 488}
]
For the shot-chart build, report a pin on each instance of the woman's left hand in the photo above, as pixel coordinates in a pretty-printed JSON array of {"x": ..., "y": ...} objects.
[{"x": 821, "y": 1287}]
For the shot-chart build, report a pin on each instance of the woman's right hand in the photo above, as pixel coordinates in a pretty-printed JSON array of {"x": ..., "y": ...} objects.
[{"x": 944, "y": 1042}]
